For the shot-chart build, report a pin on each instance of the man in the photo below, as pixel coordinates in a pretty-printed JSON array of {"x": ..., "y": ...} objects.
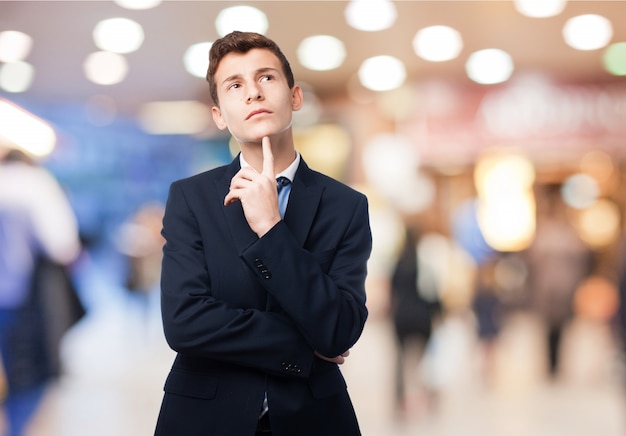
[{"x": 260, "y": 309}]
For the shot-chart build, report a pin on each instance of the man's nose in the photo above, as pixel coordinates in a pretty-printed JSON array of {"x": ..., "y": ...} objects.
[{"x": 254, "y": 94}]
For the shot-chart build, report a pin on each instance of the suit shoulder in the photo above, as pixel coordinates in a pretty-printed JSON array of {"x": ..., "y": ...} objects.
[
  {"x": 202, "y": 178},
  {"x": 339, "y": 188}
]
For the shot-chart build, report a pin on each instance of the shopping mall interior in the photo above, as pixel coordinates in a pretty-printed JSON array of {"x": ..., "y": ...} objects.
[{"x": 499, "y": 153}]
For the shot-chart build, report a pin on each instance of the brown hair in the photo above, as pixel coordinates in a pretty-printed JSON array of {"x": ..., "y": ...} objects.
[{"x": 242, "y": 42}]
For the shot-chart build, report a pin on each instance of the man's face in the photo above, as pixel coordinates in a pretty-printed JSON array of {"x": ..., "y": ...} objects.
[{"x": 255, "y": 99}]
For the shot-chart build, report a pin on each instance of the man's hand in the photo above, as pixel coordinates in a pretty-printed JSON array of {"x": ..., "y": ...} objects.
[
  {"x": 257, "y": 193},
  {"x": 337, "y": 359}
]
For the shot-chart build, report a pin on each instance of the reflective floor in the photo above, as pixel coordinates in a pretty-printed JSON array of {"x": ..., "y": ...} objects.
[{"x": 117, "y": 362}]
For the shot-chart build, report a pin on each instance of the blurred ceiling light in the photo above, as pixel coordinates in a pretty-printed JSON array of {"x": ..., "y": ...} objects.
[
  {"x": 321, "y": 52},
  {"x": 508, "y": 222},
  {"x": 196, "y": 59},
  {"x": 174, "y": 117},
  {"x": 496, "y": 172},
  {"x": 16, "y": 76},
  {"x": 382, "y": 73},
  {"x": 25, "y": 130},
  {"x": 587, "y": 32},
  {"x": 489, "y": 66},
  {"x": 614, "y": 59},
  {"x": 105, "y": 68},
  {"x": 506, "y": 208},
  {"x": 14, "y": 46},
  {"x": 599, "y": 224},
  {"x": 580, "y": 191},
  {"x": 118, "y": 35},
  {"x": 437, "y": 43},
  {"x": 540, "y": 8},
  {"x": 243, "y": 18},
  {"x": 138, "y": 4},
  {"x": 370, "y": 15}
]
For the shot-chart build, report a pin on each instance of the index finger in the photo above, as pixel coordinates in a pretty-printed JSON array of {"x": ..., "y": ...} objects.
[{"x": 268, "y": 158}]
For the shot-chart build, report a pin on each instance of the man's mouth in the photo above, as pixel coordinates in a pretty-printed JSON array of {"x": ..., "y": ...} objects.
[{"x": 257, "y": 112}]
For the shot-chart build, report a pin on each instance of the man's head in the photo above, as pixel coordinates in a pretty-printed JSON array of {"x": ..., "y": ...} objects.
[{"x": 242, "y": 42}]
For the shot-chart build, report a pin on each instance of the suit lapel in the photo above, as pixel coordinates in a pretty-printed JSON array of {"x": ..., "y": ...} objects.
[{"x": 303, "y": 203}]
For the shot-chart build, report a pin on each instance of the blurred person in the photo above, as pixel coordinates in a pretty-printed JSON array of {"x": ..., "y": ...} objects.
[
  {"x": 38, "y": 240},
  {"x": 489, "y": 311},
  {"x": 139, "y": 239},
  {"x": 558, "y": 262},
  {"x": 261, "y": 307},
  {"x": 413, "y": 314}
]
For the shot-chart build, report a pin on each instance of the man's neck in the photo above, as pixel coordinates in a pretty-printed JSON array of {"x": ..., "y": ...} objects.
[{"x": 284, "y": 155}]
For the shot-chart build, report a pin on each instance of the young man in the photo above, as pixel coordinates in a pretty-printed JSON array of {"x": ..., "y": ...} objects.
[{"x": 260, "y": 309}]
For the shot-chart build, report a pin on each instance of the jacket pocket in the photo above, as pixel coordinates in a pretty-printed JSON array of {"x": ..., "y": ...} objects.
[{"x": 191, "y": 384}]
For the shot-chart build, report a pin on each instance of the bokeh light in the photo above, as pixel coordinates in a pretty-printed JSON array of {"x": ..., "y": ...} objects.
[
  {"x": 599, "y": 224},
  {"x": 14, "y": 46},
  {"x": 614, "y": 59},
  {"x": 16, "y": 76},
  {"x": 587, "y": 32},
  {"x": 437, "y": 43},
  {"x": 370, "y": 15},
  {"x": 580, "y": 191},
  {"x": 105, "y": 68},
  {"x": 242, "y": 18},
  {"x": 382, "y": 73},
  {"x": 196, "y": 59},
  {"x": 118, "y": 35},
  {"x": 489, "y": 66},
  {"x": 321, "y": 52}
]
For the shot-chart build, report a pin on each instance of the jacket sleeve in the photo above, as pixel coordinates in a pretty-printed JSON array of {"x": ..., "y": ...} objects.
[
  {"x": 198, "y": 324},
  {"x": 328, "y": 307}
]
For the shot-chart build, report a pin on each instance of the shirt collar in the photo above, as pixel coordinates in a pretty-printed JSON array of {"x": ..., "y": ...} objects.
[{"x": 289, "y": 172}]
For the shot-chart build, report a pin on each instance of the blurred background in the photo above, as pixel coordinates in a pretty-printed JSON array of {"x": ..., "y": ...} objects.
[{"x": 489, "y": 137}]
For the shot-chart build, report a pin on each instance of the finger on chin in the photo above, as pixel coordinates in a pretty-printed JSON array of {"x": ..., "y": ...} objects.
[{"x": 268, "y": 157}]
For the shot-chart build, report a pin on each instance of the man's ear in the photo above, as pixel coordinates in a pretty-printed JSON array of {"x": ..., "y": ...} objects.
[
  {"x": 218, "y": 119},
  {"x": 296, "y": 98}
]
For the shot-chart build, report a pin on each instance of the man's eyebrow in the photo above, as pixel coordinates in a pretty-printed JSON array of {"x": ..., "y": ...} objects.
[
  {"x": 257, "y": 72},
  {"x": 231, "y": 78}
]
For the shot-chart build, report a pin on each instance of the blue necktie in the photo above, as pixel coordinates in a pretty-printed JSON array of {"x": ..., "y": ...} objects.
[{"x": 283, "y": 185}]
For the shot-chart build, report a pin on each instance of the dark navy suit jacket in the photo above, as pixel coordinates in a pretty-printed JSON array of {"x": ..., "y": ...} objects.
[{"x": 245, "y": 314}]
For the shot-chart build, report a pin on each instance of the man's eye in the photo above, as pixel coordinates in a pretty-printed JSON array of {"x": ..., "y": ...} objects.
[
  {"x": 234, "y": 86},
  {"x": 267, "y": 77}
]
